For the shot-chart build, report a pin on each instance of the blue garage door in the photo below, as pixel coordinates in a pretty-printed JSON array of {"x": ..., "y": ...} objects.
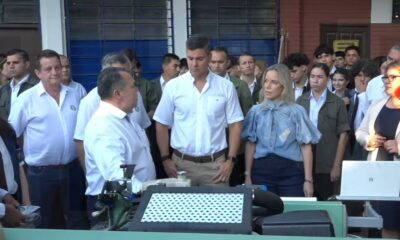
[
  {"x": 96, "y": 27},
  {"x": 242, "y": 26}
]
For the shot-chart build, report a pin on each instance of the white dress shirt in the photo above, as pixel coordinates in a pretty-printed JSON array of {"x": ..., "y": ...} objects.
[
  {"x": 90, "y": 104},
  {"x": 80, "y": 91},
  {"x": 375, "y": 90},
  {"x": 15, "y": 88},
  {"x": 47, "y": 127},
  {"x": 252, "y": 86},
  {"x": 361, "y": 110},
  {"x": 198, "y": 119},
  {"x": 12, "y": 186},
  {"x": 315, "y": 106},
  {"x": 111, "y": 139},
  {"x": 162, "y": 83}
]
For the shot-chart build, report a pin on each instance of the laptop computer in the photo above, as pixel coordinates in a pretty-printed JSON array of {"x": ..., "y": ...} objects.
[{"x": 370, "y": 180}]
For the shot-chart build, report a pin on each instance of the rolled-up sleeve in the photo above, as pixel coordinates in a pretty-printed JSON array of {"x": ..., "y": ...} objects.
[{"x": 249, "y": 132}]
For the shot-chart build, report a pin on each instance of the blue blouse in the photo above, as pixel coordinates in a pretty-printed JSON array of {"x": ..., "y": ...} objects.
[{"x": 280, "y": 128}]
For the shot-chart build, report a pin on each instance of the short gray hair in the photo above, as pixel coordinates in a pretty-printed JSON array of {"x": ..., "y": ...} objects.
[{"x": 114, "y": 57}]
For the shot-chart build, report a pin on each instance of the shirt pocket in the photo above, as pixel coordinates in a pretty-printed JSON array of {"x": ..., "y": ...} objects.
[{"x": 215, "y": 106}]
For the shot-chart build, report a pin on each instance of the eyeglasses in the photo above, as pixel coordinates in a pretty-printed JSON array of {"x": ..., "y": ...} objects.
[{"x": 391, "y": 78}]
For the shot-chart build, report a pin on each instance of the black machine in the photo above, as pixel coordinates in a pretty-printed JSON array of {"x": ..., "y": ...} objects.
[{"x": 234, "y": 210}]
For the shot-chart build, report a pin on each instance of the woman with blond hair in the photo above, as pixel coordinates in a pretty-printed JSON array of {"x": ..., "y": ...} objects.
[{"x": 279, "y": 135}]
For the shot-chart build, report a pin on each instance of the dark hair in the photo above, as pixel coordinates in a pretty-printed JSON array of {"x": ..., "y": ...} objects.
[
  {"x": 296, "y": 60},
  {"x": 183, "y": 62},
  {"x": 346, "y": 73},
  {"x": 167, "y": 58},
  {"x": 6, "y": 129},
  {"x": 323, "y": 48},
  {"x": 368, "y": 67},
  {"x": 379, "y": 60},
  {"x": 3, "y": 60},
  {"x": 129, "y": 53},
  {"x": 109, "y": 80},
  {"x": 246, "y": 54},
  {"x": 323, "y": 66},
  {"x": 24, "y": 54},
  {"x": 339, "y": 54},
  {"x": 221, "y": 49},
  {"x": 352, "y": 47},
  {"x": 198, "y": 42},
  {"x": 47, "y": 53},
  {"x": 234, "y": 61}
]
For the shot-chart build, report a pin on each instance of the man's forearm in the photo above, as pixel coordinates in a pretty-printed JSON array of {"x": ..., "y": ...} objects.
[
  {"x": 162, "y": 139},
  {"x": 341, "y": 148},
  {"x": 235, "y": 130}
]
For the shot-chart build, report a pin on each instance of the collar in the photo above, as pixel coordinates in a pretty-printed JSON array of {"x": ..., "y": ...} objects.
[
  {"x": 323, "y": 95},
  {"x": 24, "y": 79},
  {"x": 112, "y": 110},
  {"x": 227, "y": 76},
  {"x": 41, "y": 90},
  {"x": 208, "y": 78},
  {"x": 162, "y": 80}
]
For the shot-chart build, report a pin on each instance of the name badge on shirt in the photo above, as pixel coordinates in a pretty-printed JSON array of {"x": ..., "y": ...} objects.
[{"x": 283, "y": 137}]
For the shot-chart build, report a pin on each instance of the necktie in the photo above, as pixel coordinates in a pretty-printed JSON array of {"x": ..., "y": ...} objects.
[
  {"x": 3, "y": 182},
  {"x": 354, "y": 113}
]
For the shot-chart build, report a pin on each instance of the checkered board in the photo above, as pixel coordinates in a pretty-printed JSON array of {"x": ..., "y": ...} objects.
[{"x": 194, "y": 209}]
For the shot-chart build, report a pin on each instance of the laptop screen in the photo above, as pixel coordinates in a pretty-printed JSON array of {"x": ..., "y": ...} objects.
[{"x": 370, "y": 179}]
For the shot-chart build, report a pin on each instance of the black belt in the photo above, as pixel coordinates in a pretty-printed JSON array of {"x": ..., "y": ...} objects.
[
  {"x": 58, "y": 166},
  {"x": 200, "y": 159}
]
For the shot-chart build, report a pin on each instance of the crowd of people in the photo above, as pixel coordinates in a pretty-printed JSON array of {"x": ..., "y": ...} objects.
[{"x": 224, "y": 120}]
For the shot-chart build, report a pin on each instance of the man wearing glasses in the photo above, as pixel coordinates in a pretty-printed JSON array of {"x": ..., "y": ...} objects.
[{"x": 376, "y": 89}]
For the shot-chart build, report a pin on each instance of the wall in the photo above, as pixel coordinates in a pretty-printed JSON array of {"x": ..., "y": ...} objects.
[
  {"x": 383, "y": 37},
  {"x": 302, "y": 19}
]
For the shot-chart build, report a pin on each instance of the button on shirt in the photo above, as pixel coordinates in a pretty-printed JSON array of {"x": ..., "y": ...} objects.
[
  {"x": 15, "y": 88},
  {"x": 90, "y": 104},
  {"x": 47, "y": 127},
  {"x": 111, "y": 140},
  {"x": 198, "y": 119},
  {"x": 315, "y": 106}
]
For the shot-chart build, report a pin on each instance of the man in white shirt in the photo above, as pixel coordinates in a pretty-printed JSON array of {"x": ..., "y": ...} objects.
[
  {"x": 198, "y": 106},
  {"x": 45, "y": 116},
  {"x": 18, "y": 67},
  {"x": 80, "y": 91},
  {"x": 171, "y": 68},
  {"x": 90, "y": 103},
  {"x": 112, "y": 138},
  {"x": 375, "y": 88}
]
